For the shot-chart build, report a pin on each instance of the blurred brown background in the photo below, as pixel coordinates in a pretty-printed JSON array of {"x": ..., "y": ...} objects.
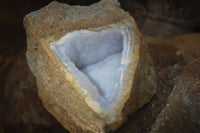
[{"x": 22, "y": 111}]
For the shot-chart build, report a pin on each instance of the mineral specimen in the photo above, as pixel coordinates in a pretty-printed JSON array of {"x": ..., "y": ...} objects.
[{"x": 91, "y": 64}]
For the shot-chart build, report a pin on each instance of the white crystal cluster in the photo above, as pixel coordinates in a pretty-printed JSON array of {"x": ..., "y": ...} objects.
[{"x": 98, "y": 60}]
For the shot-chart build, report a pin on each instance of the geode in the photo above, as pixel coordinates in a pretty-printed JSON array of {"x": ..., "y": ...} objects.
[{"x": 91, "y": 64}]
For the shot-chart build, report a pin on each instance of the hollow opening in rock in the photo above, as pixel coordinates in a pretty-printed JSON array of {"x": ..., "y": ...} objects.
[
  {"x": 96, "y": 59},
  {"x": 98, "y": 56}
]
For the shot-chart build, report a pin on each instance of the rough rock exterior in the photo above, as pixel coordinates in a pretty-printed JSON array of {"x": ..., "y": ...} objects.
[{"x": 57, "y": 88}]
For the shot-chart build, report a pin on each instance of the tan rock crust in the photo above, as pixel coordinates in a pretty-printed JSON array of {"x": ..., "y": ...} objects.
[{"x": 58, "y": 89}]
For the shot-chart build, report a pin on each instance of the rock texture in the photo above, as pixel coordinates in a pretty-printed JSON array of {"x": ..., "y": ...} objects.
[
  {"x": 19, "y": 93},
  {"x": 58, "y": 89},
  {"x": 183, "y": 105},
  {"x": 21, "y": 110}
]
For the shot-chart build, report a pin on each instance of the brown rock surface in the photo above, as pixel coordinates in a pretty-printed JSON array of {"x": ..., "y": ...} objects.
[
  {"x": 182, "y": 111},
  {"x": 164, "y": 55},
  {"x": 156, "y": 18},
  {"x": 60, "y": 91}
]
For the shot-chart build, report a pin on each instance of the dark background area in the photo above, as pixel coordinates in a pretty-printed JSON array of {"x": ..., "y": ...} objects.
[
  {"x": 20, "y": 108},
  {"x": 168, "y": 17}
]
